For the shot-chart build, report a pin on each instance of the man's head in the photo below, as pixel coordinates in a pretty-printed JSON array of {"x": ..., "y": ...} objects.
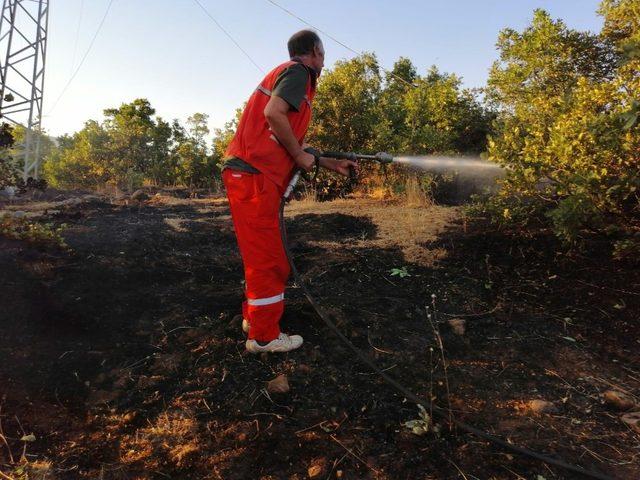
[{"x": 306, "y": 45}]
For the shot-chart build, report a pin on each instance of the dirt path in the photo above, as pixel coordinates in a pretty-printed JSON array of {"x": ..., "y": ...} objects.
[{"x": 124, "y": 360}]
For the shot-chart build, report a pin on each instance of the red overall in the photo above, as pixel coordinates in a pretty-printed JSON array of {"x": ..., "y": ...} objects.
[{"x": 254, "y": 199}]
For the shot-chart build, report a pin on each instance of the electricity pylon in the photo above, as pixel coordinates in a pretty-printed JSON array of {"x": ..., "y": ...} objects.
[{"x": 23, "y": 54}]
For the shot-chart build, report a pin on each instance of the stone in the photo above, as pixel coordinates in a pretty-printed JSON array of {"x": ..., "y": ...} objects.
[
  {"x": 632, "y": 420},
  {"x": 542, "y": 406},
  {"x": 71, "y": 201},
  {"x": 19, "y": 214},
  {"x": 304, "y": 369},
  {"x": 458, "y": 325},
  {"x": 139, "y": 196},
  {"x": 280, "y": 384},
  {"x": 618, "y": 400},
  {"x": 318, "y": 468}
]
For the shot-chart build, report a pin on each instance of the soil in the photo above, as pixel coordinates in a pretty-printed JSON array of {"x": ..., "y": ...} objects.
[{"x": 124, "y": 355}]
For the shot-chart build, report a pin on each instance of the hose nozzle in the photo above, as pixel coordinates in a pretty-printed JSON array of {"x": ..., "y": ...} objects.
[{"x": 384, "y": 157}]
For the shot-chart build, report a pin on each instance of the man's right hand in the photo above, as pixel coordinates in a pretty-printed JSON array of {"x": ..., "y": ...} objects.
[{"x": 305, "y": 160}]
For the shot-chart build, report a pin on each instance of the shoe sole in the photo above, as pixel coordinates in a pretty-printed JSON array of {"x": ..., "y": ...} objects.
[{"x": 253, "y": 347}]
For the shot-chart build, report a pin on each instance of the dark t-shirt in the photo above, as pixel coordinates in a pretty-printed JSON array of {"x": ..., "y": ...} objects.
[{"x": 291, "y": 86}]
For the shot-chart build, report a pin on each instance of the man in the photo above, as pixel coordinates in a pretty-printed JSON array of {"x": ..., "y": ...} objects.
[{"x": 259, "y": 162}]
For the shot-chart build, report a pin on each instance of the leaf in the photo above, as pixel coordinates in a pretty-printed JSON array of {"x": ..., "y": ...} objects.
[
  {"x": 571, "y": 339},
  {"x": 28, "y": 438},
  {"x": 630, "y": 119},
  {"x": 400, "y": 272}
]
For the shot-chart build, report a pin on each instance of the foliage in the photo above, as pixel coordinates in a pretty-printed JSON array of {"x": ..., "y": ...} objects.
[
  {"x": 131, "y": 146},
  {"x": 567, "y": 130},
  {"x": 400, "y": 272},
  {"x": 20, "y": 228},
  {"x": 356, "y": 109},
  {"x": 423, "y": 424},
  {"x": 8, "y": 170}
]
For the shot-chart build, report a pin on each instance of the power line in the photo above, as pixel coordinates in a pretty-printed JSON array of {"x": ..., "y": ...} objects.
[
  {"x": 334, "y": 39},
  {"x": 228, "y": 35},
  {"x": 84, "y": 57},
  {"x": 75, "y": 43}
]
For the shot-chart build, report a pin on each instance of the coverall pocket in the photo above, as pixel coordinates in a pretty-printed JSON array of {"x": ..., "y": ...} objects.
[{"x": 240, "y": 185}]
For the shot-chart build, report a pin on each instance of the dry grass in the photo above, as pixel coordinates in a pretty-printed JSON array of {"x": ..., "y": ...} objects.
[
  {"x": 173, "y": 435},
  {"x": 398, "y": 225},
  {"x": 415, "y": 196}
]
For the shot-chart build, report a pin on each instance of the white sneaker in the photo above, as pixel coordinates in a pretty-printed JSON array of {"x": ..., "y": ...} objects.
[
  {"x": 284, "y": 343},
  {"x": 245, "y": 325}
]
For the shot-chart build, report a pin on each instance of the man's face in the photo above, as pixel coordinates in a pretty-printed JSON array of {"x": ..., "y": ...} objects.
[{"x": 318, "y": 58}]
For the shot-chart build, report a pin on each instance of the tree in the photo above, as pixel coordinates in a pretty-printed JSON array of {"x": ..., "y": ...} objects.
[
  {"x": 345, "y": 106},
  {"x": 441, "y": 117},
  {"x": 392, "y": 128},
  {"x": 130, "y": 129},
  {"x": 81, "y": 160},
  {"x": 196, "y": 167},
  {"x": 8, "y": 172},
  {"x": 567, "y": 131}
]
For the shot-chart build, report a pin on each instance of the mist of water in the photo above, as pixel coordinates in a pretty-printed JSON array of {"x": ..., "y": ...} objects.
[
  {"x": 464, "y": 176},
  {"x": 450, "y": 164}
]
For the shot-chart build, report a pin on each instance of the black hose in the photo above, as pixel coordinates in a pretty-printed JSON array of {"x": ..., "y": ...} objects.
[{"x": 405, "y": 391}]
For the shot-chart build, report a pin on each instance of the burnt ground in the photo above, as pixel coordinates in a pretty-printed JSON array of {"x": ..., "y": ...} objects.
[{"x": 123, "y": 357}]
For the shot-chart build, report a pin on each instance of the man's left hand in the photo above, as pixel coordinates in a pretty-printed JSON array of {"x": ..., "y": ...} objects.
[{"x": 340, "y": 166}]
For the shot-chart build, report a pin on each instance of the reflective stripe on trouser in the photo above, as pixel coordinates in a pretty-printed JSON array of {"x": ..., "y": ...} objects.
[{"x": 254, "y": 201}]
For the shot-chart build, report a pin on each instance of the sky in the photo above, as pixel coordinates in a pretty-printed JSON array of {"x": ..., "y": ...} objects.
[{"x": 171, "y": 53}]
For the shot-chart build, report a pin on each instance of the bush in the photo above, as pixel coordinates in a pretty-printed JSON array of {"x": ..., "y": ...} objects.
[
  {"x": 38, "y": 234},
  {"x": 568, "y": 133}
]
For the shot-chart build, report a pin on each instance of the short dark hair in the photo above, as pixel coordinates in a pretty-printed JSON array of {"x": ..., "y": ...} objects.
[{"x": 302, "y": 42}]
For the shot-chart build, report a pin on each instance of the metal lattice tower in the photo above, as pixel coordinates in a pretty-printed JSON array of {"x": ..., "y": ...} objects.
[{"x": 23, "y": 52}]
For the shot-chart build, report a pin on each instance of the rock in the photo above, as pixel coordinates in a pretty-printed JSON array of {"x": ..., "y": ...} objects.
[
  {"x": 304, "y": 369},
  {"x": 632, "y": 419},
  {"x": 19, "y": 214},
  {"x": 280, "y": 384},
  {"x": 8, "y": 192},
  {"x": 71, "y": 201},
  {"x": 318, "y": 468},
  {"x": 139, "y": 196},
  {"x": 618, "y": 400},
  {"x": 458, "y": 325},
  {"x": 542, "y": 406}
]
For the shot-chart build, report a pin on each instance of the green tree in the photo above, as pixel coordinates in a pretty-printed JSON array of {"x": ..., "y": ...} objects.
[
  {"x": 441, "y": 117},
  {"x": 81, "y": 160},
  {"x": 222, "y": 138},
  {"x": 196, "y": 167},
  {"x": 346, "y": 106},
  {"x": 130, "y": 128},
  {"x": 567, "y": 131},
  {"x": 8, "y": 171},
  {"x": 393, "y": 129}
]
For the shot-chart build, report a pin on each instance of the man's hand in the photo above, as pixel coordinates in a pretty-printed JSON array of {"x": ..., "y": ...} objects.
[
  {"x": 340, "y": 166},
  {"x": 305, "y": 160}
]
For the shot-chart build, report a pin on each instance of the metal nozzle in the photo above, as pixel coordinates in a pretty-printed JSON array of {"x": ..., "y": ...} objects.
[{"x": 383, "y": 157}]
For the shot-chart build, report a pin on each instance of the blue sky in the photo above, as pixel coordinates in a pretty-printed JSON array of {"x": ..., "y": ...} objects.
[{"x": 169, "y": 52}]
